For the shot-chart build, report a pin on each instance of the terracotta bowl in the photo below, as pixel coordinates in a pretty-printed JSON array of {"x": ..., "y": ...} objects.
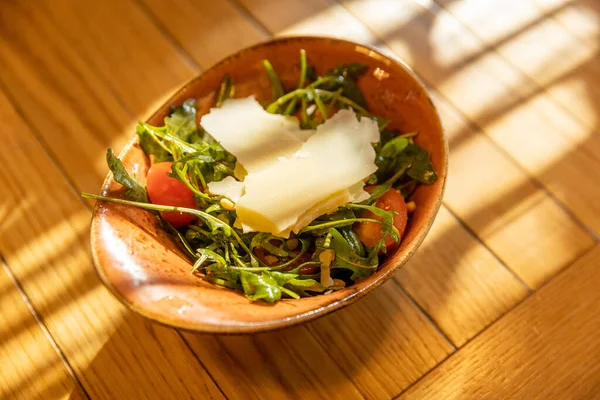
[{"x": 144, "y": 267}]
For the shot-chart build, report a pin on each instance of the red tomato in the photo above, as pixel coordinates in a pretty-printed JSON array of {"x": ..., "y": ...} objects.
[
  {"x": 370, "y": 232},
  {"x": 167, "y": 191}
]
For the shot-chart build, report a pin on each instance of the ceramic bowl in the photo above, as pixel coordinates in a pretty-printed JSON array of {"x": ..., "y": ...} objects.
[{"x": 144, "y": 267}]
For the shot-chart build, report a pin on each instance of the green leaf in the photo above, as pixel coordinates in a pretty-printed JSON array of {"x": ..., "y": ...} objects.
[
  {"x": 399, "y": 157},
  {"x": 135, "y": 190},
  {"x": 350, "y": 71},
  {"x": 388, "y": 160},
  {"x": 182, "y": 121},
  {"x": 347, "y": 258},
  {"x": 421, "y": 168},
  {"x": 353, "y": 240},
  {"x": 377, "y": 193},
  {"x": 344, "y": 77},
  {"x": 150, "y": 144},
  {"x": 266, "y": 285},
  {"x": 263, "y": 239},
  {"x": 210, "y": 255}
]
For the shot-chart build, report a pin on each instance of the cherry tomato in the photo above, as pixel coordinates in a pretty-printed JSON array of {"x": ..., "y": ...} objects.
[
  {"x": 167, "y": 191},
  {"x": 370, "y": 232}
]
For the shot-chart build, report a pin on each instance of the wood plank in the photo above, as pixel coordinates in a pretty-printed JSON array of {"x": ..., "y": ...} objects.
[
  {"x": 457, "y": 65},
  {"x": 458, "y": 282},
  {"x": 207, "y": 30},
  {"x": 31, "y": 368},
  {"x": 314, "y": 17},
  {"x": 288, "y": 364},
  {"x": 90, "y": 82},
  {"x": 131, "y": 55},
  {"x": 368, "y": 341},
  {"x": 44, "y": 239},
  {"x": 517, "y": 219},
  {"x": 382, "y": 342},
  {"x": 545, "y": 348},
  {"x": 582, "y": 17},
  {"x": 516, "y": 31}
]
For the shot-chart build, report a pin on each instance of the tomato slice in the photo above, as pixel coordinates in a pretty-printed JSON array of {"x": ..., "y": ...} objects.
[
  {"x": 370, "y": 232},
  {"x": 167, "y": 191}
]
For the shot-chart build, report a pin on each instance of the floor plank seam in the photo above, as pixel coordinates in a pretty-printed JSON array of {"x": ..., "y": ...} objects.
[
  {"x": 494, "y": 48},
  {"x": 538, "y": 89},
  {"x": 77, "y": 192},
  {"x": 40, "y": 139},
  {"x": 500, "y": 317},
  {"x": 484, "y": 245},
  {"x": 43, "y": 327},
  {"x": 167, "y": 35},
  {"x": 425, "y": 315},
  {"x": 253, "y": 20},
  {"x": 197, "y": 357}
]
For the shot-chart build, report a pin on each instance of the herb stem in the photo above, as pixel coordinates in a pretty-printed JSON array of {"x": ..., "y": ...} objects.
[
  {"x": 397, "y": 175},
  {"x": 319, "y": 104},
  {"x": 276, "y": 88},
  {"x": 272, "y": 108},
  {"x": 337, "y": 224}
]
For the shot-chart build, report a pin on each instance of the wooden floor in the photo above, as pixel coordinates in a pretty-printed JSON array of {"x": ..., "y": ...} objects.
[{"x": 501, "y": 301}]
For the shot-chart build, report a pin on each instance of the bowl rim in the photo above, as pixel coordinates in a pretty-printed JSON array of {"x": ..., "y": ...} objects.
[{"x": 378, "y": 278}]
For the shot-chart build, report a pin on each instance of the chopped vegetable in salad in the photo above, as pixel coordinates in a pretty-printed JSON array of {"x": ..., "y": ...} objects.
[{"x": 298, "y": 197}]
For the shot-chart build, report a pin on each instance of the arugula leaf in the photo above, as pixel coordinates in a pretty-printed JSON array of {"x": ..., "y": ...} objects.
[
  {"x": 135, "y": 190},
  {"x": 399, "y": 156},
  {"x": 377, "y": 193},
  {"x": 349, "y": 71},
  {"x": 421, "y": 167},
  {"x": 262, "y": 239},
  {"x": 150, "y": 144},
  {"x": 266, "y": 285},
  {"x": 181, "y": 123},
  {"x": 344, "y": 77},
  {"x": 346, "y": 258},
  {"x": 388, "y": 160},
  {"x": 353, "y": 240}
]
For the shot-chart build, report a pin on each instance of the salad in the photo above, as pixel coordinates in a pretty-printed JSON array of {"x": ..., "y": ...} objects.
[{"x": 300, "y": 196}]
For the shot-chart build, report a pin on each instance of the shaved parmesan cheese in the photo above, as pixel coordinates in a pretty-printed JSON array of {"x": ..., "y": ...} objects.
[
  {"x": 228, "y": 187},
  {"x": 289, "y": 191},
  {"x": 253, "y": 135}
]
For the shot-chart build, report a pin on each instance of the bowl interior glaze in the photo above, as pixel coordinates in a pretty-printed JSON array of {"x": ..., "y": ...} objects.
[{"x": 144, "y": 267}]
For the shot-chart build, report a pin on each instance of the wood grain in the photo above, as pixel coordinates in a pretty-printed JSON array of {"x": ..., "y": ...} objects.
[
  {"x": 515, "y": 30},
  {"x": 82, "y": 91},
  {"x": 206, "y": 30},
  {"x": 44, "y": 239},
  {"x": 31, "y": 368},
  {"x": 564, "y": 116},
  {"x": 286, "y": 364},
  {"x": 458, "y": 282},
  {"x": 382, "y": 342},
  {"x": 513, "y": 216},
  {"x": 545, "y": 348}
]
